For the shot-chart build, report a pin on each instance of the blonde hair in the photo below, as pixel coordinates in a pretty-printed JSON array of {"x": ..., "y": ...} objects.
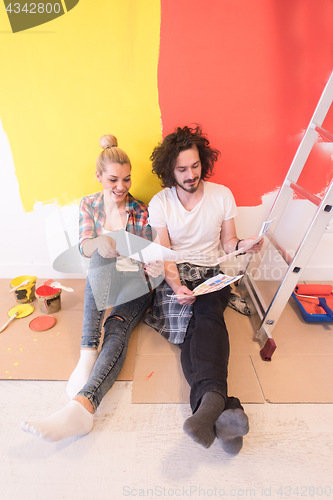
[{"x": 111, "y": 153}]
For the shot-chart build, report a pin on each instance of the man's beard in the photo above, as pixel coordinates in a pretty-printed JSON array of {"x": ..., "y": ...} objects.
[{"x": 190, "y": 189}]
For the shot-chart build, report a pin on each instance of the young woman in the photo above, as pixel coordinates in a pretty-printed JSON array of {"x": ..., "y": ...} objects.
[{"x": 113, "y": 281}]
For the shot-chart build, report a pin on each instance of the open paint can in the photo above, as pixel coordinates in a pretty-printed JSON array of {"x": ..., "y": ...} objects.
[
  {"x": 25, "y": 293},
  {"x": 48, "y": 299}
]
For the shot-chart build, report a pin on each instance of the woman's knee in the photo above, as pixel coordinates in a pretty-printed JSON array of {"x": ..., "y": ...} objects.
[
  {"x": 97, "y": 261},
  {"x": 114, "y": 323}
]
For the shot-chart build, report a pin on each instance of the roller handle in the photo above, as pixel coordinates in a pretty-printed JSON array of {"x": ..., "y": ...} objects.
[{"x": 328, "y": 310}]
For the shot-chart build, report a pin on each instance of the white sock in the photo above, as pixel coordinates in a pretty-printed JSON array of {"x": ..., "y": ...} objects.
[
  {"x": 72, "y": 420},
  {"x": 82, "y": 371}
]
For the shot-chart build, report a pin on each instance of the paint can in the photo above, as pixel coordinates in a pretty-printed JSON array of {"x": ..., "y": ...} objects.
[
  {"x": 48, "y": 299},
  {"x": 26, "y": 293}
]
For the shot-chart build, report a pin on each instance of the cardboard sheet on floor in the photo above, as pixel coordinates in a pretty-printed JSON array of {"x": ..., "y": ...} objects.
[
  {"x": 296, "y": 379},
  {"x": 240, "y": 333},
  {"x": 298, "y": 372},
  {"x": 294, "y": 336},
  {"x": 303, "y": 361},
  {"x": 158, "y": 376},
  {"x": 52, "y": 354}
]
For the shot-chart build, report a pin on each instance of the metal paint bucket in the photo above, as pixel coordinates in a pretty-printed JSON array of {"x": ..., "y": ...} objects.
[
  {"x": 48, "y": 299},
  {"x": 26, "y": 293}
]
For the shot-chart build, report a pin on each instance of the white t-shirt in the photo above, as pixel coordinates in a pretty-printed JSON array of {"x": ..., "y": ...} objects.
[{"x": 194, "y": 234}]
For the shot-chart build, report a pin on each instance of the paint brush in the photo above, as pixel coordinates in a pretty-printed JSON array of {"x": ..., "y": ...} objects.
[
  {"x": 25, "y": 282},
  {"x": 9, "y": 321},
  {"x": 56, "y": 284}
]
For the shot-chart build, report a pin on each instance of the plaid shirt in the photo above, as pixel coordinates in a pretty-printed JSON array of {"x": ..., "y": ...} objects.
[
  {"x": 92, "y": 217},
  {"x": 167, "y": 316}
]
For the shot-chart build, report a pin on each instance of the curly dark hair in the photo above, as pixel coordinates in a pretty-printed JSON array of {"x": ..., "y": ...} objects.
[{"x": 165, "y": 154}]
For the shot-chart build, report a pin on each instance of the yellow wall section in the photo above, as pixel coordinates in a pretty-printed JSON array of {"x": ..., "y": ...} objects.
[{"x": 65, "y": 83}]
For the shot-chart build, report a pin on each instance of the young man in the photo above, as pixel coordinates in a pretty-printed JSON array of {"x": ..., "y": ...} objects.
[{"x": 195, "y": 218}]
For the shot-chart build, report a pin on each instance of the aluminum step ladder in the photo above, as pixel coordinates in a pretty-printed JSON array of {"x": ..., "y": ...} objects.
[{"x": 265, "y": 316}]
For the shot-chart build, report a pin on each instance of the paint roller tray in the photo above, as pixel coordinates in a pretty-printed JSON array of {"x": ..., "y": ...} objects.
[{"x": 311, "y": 317}]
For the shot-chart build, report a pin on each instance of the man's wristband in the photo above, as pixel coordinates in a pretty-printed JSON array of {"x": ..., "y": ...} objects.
[{"x": 238, "y": 242}]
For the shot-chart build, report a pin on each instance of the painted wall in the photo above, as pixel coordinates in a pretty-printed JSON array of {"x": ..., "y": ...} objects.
[
  {"x": 62, "y": 86},
  {"x": 250, "y": 73},
  {"x": 66, "y": 83}
]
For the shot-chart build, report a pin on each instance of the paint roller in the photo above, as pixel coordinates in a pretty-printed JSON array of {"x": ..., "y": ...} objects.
[{"x": 313, "y": 292}]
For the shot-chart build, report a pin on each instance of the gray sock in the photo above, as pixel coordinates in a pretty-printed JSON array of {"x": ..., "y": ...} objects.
[
  {"x": 200, "y": 427},
  {"x": 230, "y": 428}
]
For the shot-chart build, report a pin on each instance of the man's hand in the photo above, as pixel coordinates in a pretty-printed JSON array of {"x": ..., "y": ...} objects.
[
  {"x": 107, "y": 247},
  {"x": 188, "y": 295},
  {"x": 155, "y": 268},
  {"x": 256, "y": 248}
]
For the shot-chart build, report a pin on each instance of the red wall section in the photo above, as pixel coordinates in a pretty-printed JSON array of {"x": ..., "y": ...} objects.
[{"x": 251, "y": 73}]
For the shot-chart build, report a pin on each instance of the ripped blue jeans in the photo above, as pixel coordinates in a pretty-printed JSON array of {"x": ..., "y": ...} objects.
[{"x": 129, "y": 295}]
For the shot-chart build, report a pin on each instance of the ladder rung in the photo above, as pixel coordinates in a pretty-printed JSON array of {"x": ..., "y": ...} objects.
[
  {"x": 324, "y": 133},
  {"x": 279, "y": 248},
  {"x": 303, "y": 192}
]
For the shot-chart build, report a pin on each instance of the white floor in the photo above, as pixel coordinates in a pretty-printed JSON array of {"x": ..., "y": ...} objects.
[{"x": 141, "y": 451}]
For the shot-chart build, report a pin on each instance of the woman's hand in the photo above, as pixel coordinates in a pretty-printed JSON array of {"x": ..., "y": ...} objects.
[
  {"x": 188, "y": 295},
  {"x": 256, "y": 248},
  {"x": 155, "y": 268},
  {"x": 106, "y": 247}
]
